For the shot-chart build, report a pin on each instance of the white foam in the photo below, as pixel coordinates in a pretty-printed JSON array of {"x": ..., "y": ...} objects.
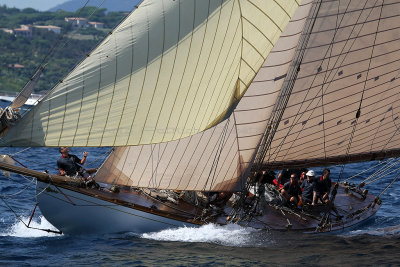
[
  {"x": 227, "y": 235},
  {"x": 19, "y": 229}
]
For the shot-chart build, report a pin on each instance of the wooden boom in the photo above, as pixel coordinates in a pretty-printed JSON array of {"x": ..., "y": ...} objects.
[{"x": 41, "y": 176}]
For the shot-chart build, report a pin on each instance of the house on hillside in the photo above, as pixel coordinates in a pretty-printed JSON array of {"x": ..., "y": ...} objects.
[
  {"x": 24, "y": 30},
  {"x": 97, "y": 25},
  {"x": 77, "y": 22},
  {"x": 48, "y": 28}
]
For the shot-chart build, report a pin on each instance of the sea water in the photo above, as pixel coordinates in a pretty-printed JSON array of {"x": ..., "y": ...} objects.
[{"x": 375, "y": 242}]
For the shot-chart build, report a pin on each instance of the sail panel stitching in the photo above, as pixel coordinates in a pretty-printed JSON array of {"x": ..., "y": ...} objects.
[
  {"x": 129, "y": 84},
  {"x": 63, "y": 117},
  {"x": 204, "y": 70},
  {"x": 226, "y": 76},
  {"x": 144, "y": 78},
  {"x": 157, "y": 79},
  {"x": 167, "y": 88},
  {"x": 215, "y": 108},
  {"x": 186, "y": 63},
  {"x": 218, "y": 58}
]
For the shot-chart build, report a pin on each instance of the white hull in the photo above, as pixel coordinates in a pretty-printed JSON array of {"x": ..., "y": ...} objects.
[{"x": 75, "y": 213}]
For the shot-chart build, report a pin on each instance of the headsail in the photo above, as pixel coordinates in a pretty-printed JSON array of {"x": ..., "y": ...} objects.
[
  {"x": 215, "y": 159},
  {"x": 345, "y": 104},
  {"x": 172, "y": 69}
]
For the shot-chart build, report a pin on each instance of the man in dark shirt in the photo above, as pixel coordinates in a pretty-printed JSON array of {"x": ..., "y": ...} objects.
[
  {"x": 291, "y": 190},
  {"x": 70, "y": 165},
  {"x": 284, "y": 175},
  {"x": 308, "y": 187},
  {"x": 322, "y": 187}
]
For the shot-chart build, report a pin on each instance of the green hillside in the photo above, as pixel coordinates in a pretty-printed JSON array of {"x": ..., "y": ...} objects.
[{"x": 20, "y": 56}]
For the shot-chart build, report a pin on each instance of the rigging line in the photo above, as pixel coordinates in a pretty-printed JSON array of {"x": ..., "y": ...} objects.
[
  {"x": 36, "y": 163},
  {"x": 102, "y": 156},
  {"x": 19, "y": 192},
  {"x": 383, "y": 175},
  {"x": 58, "y": 41},
  {"x": 60, "y": 38},
  {"x": 395, "y": 125},
  {"x": 23, "y": 150},
  {"x": 326, "y": 74},
  {"x": 363, "y": 91},
  {"x": 298, "y": 118},
  {"x": 383, "y": 171},
  {"x": 335, "y": 62},
  {"x": 373, "y": 167},
  {"x": 27, "y": 226},
  {"x": 314, "y": 17},
  {"x": 165, "y": 204},
  {"x": 285, "y": 92},
  {"x": 44, "y": 189},
  {"x": 221, "y": 144},
  {"x": 387, "y": 187},
  {"x": 348, "y": 40}
]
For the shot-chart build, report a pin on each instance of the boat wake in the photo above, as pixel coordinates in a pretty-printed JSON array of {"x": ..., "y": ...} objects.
[
  {"x": 18, "y": 229},
  {"x": 227, "y": 235}
]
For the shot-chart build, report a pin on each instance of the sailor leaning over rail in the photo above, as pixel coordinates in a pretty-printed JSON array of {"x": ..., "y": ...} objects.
[{"x": 71, "y": 165}]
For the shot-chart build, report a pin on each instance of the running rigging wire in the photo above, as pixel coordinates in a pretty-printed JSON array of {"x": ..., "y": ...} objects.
[{"x": 58, "y": 44}]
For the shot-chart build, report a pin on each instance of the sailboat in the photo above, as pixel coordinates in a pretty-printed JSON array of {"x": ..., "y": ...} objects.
[{"x": 196, "y": 97}]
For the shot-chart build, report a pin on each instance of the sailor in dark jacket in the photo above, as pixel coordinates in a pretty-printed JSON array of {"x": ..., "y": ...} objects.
[
  {"x": 322, "y": 187},
  {"x": 308, "y": 187},
  {"x": 291, "y": 190},
  {"x": 70, "y": 164}
]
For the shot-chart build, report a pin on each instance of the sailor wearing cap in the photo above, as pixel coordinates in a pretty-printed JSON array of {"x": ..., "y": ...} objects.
[{"x": 308, "y": 187}]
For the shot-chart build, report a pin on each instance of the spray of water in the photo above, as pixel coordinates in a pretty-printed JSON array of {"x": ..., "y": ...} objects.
[
  {"x": 227, "y": 235},
  {"x": 18, "y": 229}
]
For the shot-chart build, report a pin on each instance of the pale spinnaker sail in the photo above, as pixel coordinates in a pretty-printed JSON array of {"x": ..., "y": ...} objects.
[
  {"x": 170, "y": 70},
  {"x": 216, "y": 159},
  {"x": 345, "y": 104}
]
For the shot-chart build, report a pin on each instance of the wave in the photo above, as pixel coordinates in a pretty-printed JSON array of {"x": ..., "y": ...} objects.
[
  {"x": 18, "y": 229},
  {"x": 226, "y": 235}
]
